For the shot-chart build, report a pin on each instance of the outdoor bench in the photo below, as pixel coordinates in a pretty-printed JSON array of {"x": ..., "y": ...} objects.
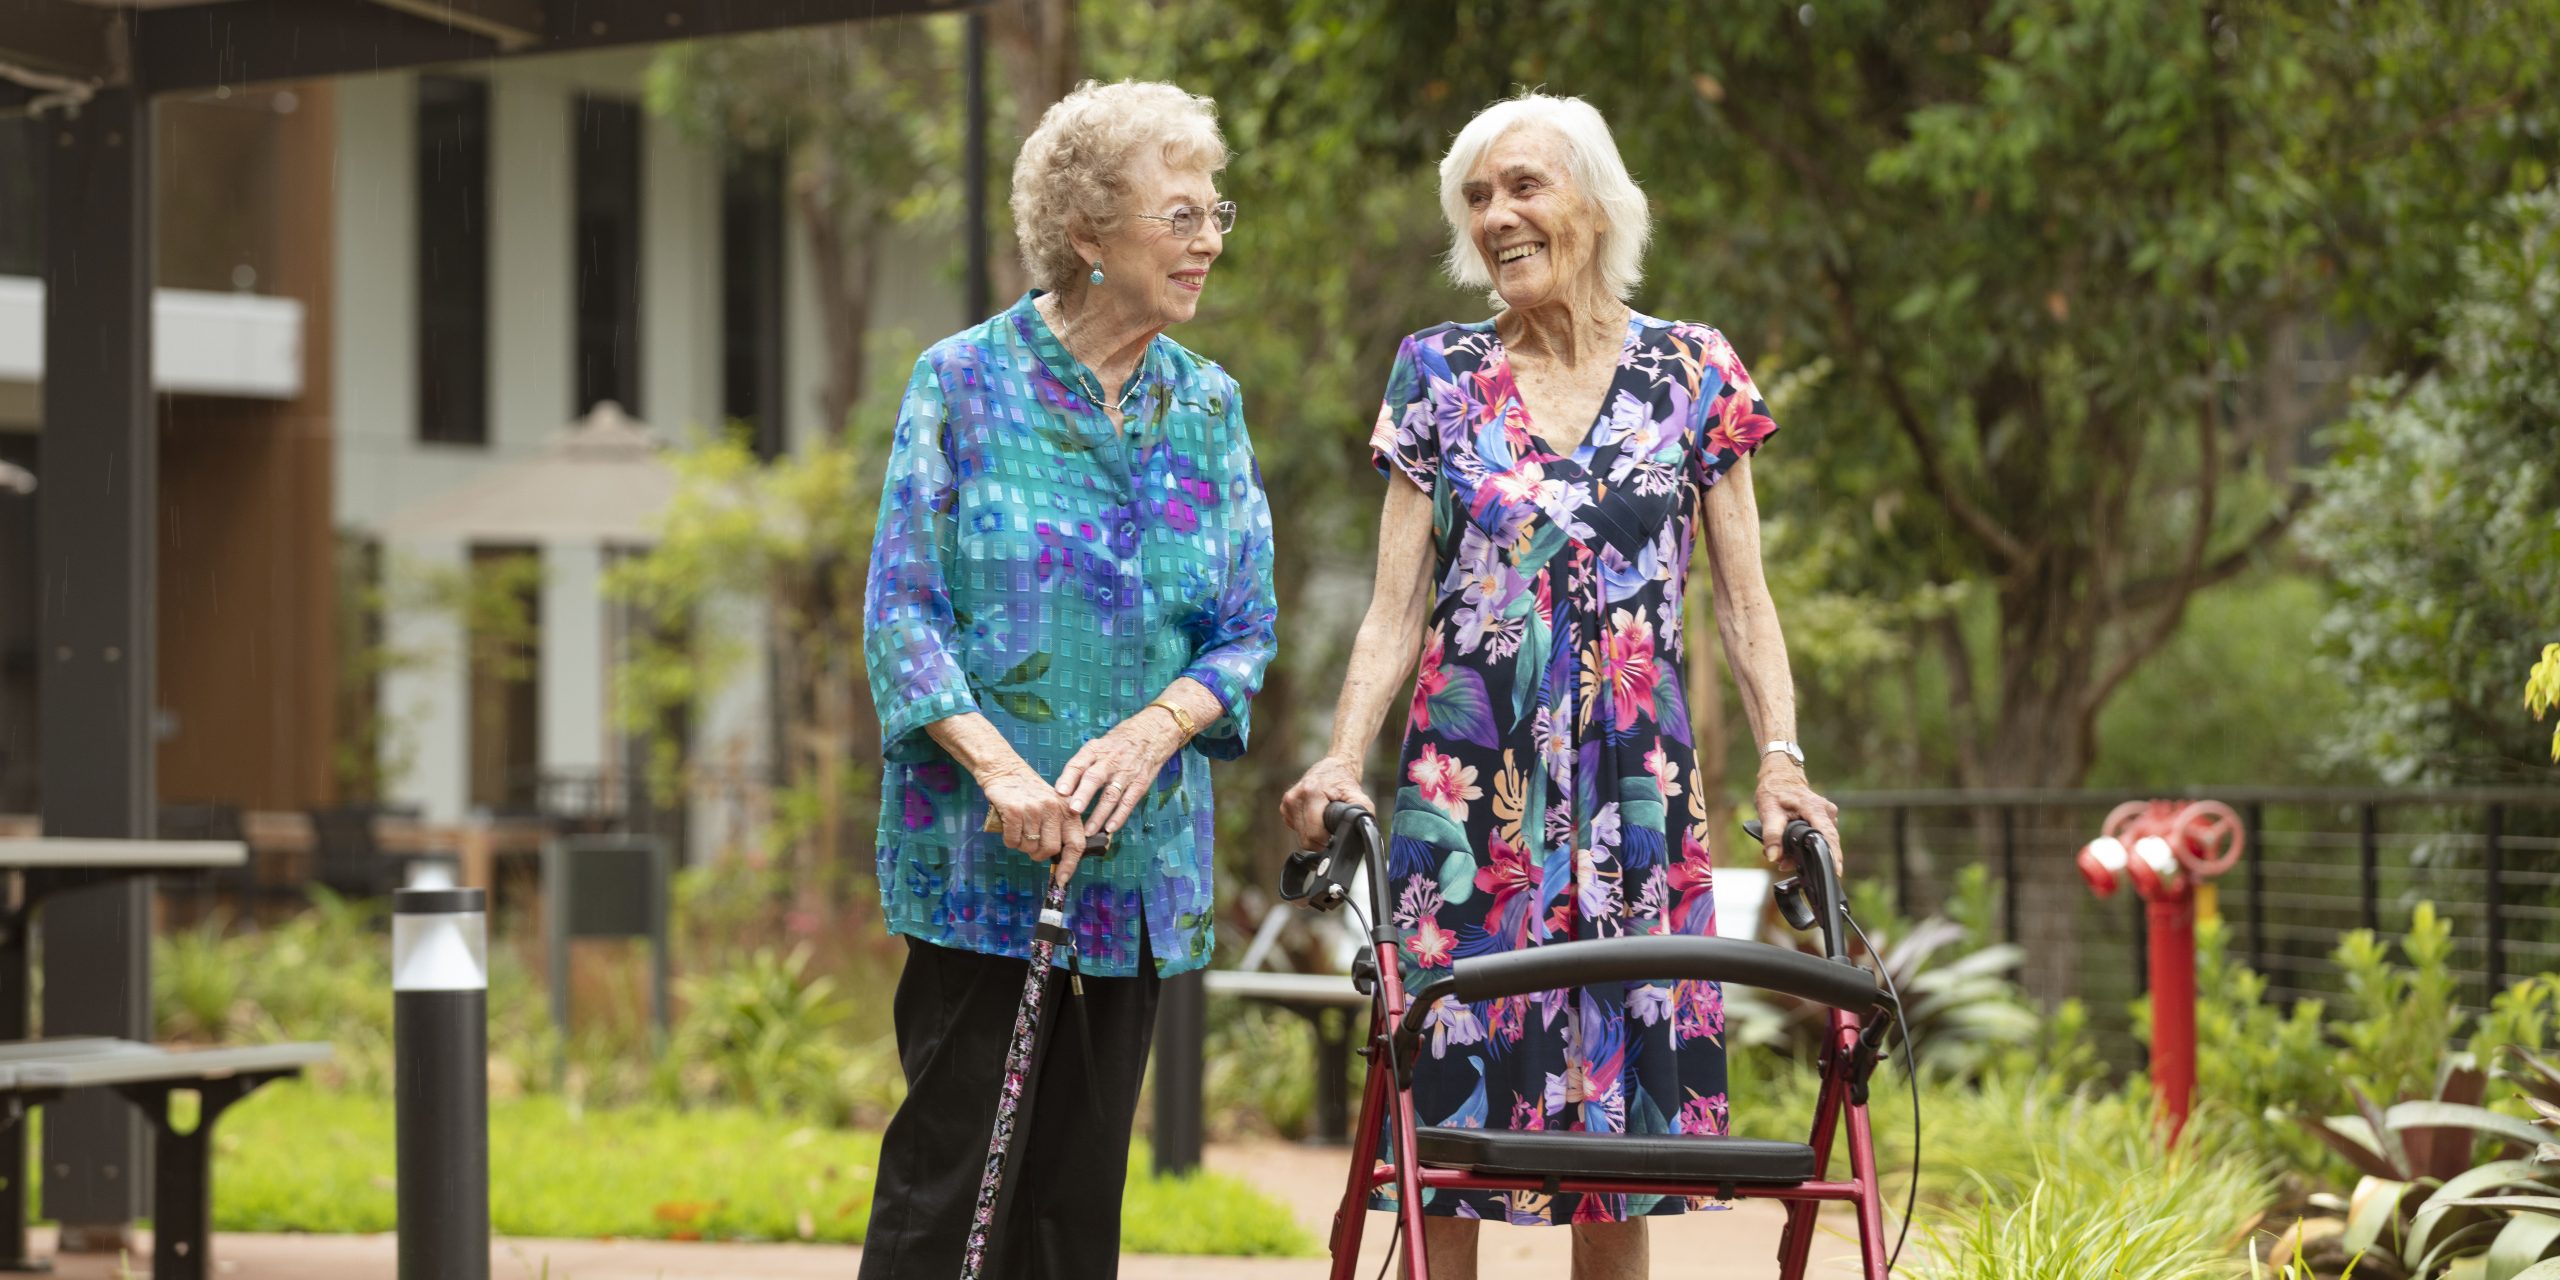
[
  {"x": 1330, "y": 1002},
  {"x": 36, "y": 1072}
]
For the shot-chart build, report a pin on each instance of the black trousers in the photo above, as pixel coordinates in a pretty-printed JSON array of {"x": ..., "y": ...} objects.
[{"x": 955, "y": 1012}]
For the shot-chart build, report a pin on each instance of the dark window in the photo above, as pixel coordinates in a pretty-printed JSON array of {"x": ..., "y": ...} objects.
[
  {"x": 453, "y": 260},
  {"x": 21, "y": 199},
  {"x": 504, "y": 624},
  {"x": 751, "y": 298},
  {"x": 608, "y": 249}
]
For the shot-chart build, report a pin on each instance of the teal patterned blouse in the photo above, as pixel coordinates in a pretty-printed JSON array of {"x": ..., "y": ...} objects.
[{"x": 1038, "y": 567}]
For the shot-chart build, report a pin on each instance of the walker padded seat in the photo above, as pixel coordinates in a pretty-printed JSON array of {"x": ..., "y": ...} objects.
[{"x": 1539, "y": 1154}]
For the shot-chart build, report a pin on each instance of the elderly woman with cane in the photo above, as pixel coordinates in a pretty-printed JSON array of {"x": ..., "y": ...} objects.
[
  {"x": 1547, "y": 471},
  {"x": 1070, "y": 605}
]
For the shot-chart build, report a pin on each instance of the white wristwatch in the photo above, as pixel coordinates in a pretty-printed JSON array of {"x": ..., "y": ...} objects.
[{"x": 1793, "y": 751}]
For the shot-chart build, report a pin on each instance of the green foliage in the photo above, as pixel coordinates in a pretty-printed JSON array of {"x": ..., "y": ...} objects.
[
  {"x": 294, "y": 1158},
  {"x": 1205, "y": 1214},
  {"x": 2309, "y": 1087},
  {"x": 865, "y": 110},
  {"x": 2542, "y": 691},
  {"x": 1960, "y": 996},
  {"x": 762, "y": 1033},
  {"x": 2405, "y": 1018},
  {"x": 2440, "y": 521},
  {"x": 325, "y": 974},
  {"x": 2427, "y": 1201},
  {"x": 195, "y": 987},
  {"x": 489, "y": 602},
  {"x": 779, "y": 539},
  {"x": 2229, "y": 696},
  {"x": 2257, "y": 1061},
  {"x": 1260, "y": 1071},
  {"x": 2058, "y": 255},
  {"x": 2143, "y": 1219}
]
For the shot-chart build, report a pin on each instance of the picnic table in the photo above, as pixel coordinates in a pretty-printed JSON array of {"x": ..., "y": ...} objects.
[
  {"x": 33, "y": 1072},
  {"x": 476, "y": 846}
]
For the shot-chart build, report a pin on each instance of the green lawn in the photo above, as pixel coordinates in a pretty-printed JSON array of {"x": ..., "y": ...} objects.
[{"x": 294, "y": 1158}]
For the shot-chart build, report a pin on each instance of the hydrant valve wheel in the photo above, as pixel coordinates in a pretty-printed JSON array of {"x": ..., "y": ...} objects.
[{"x": 2210, "y": 837}]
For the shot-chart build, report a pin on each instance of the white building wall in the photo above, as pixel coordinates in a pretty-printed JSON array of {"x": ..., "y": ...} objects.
[
  {"x": 382, "y": 468},
  {"x": 679, "y": 283}
]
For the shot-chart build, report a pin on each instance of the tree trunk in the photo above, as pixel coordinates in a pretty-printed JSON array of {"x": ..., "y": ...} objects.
[
  {"x": 845, "y": 260},
  {"x": 1042, "y": 53},
  {"x": 2042, "y": 736},
  {"x": 1041, "y": 56}
]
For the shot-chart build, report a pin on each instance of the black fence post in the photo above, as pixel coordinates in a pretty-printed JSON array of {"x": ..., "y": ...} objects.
[
  {"x": 1182, "y": 1046},
  {"x": 1902, "y": 861},
  {"x": 2009, "y": 870},
  {"x": 2496, "y": 860},
  {"x": 440, "y": 1081},
  {"x": 2369, "y": 849},
  {"x": 2253, "y": 825},
  {"x": 2141, "y": 946}
]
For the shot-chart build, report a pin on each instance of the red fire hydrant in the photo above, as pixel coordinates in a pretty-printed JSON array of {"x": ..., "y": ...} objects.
[{"x": 2167, "y": 850}]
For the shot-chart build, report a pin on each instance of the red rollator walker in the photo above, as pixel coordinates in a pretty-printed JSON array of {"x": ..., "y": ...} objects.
[{"x": 1422, "y": 1156}]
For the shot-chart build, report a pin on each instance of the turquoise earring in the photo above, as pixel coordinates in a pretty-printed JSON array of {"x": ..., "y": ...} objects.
[{"x": 1096, "y": 277}]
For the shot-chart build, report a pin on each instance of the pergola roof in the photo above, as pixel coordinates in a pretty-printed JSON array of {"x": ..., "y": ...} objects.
[{"x": 161, "y": 46}]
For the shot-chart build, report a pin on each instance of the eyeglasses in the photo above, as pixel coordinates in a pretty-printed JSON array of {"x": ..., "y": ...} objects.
[{"x": 1185, "y": 221}]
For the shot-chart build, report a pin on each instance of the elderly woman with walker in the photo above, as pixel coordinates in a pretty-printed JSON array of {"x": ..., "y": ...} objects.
[{"x": 1547, "y": 472}]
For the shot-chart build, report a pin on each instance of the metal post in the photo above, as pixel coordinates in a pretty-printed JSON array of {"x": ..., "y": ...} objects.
[
  {"x": 1182, "y": 1040},
  {"x": 2172, "y": 962},
  {"x": 1902, "y": 861},
  {"x": 440, "y": 1052},
  {"x": 2369, "y": 849},
  {"x": 2009, "y": 870},
  {"x": 15, "y": 984},
  {"x": 981, "y": 289},
  {"x": 2141, "y": 949},
  {"x": 97, "y": 541},
  {"x": 2253, "y": 821},
  {"x": 2497, "y": 872}
]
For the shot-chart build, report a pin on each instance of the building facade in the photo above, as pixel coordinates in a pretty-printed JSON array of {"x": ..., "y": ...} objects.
[{"x": 380, "y": 289}]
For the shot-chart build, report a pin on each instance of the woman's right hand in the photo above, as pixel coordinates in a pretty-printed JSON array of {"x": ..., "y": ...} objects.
[
  {"x": 1327, "y": 781},
  {"x": 1035, "y": 819}
]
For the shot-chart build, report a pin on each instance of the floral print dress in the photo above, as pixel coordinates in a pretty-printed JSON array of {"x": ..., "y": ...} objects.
[{"x": 1545, "y": 789}]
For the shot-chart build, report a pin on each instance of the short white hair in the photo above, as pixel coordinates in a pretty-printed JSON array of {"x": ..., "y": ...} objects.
[{"x": 1591, "y": 158}]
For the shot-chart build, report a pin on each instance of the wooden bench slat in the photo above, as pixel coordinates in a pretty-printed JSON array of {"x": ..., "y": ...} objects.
[
  {"x": 134, "y": 1063},
  {"x": 14, "y": 1051},
  {"x": 1301, "y": 988},
  {"x": 56, "y": 852}
]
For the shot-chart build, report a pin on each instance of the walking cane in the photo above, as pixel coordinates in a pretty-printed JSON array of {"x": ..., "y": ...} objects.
[{"x": 1021, "y": 1065}]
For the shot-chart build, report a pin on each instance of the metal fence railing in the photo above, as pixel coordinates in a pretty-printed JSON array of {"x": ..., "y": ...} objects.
[{"x": 2321, "y": 862}]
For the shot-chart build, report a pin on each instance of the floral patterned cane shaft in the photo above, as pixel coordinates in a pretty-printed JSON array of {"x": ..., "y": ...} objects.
[{"x": 1017, "y": 1076}]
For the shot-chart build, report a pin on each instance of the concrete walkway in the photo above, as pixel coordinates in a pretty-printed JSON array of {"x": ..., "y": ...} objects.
[{"x": 1737, "y": 1245}]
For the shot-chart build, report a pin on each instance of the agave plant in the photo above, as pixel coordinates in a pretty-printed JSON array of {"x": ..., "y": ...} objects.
[
  {"x": 2428, "y": 1205},
  {"x": 1960, "y": 999}
]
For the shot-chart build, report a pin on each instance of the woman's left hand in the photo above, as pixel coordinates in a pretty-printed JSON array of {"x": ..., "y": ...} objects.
[
  {"x": 1117, "y": 768},
  {"x": 1784, "y": 795}
]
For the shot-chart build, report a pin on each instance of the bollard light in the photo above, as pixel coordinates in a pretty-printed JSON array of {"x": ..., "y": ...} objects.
[{"x": 440, "y": 1062}]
